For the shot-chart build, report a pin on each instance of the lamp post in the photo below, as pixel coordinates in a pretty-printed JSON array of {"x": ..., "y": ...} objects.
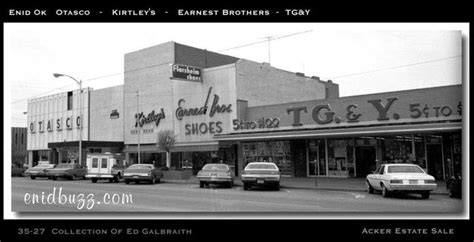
[{"x": 56, "y": 75}]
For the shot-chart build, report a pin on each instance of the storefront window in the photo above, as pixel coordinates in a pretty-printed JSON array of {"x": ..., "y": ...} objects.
[
  {"x": 277, "y": 152},
  {"x": 420, "y": 158},
  {"x": 397, "y": 149},
  {"x": 337, "y": 157}
]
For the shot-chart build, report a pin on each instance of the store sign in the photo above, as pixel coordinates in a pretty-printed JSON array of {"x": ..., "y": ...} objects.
[
  {"x": 187, "y": 72},
  {"x": 51, "y": 124},
  {"x": 261, "y": 123},
  {"x": 142, "y": 119},
  {"x": 214, "y": 108},
  {"x": 114, "y": 114},
  {"x": 324, "y": 114}
]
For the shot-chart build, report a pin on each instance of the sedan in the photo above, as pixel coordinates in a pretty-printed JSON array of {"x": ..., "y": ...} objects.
[
  {"x": 216, "y": 174},
  {"x": 69, "y": 171},
  {"x": 405, "y": 178},
  {"x": 39, "y": 170},
  {"x": 261, "y": 174},
  {"x": 142, "y": 172}
]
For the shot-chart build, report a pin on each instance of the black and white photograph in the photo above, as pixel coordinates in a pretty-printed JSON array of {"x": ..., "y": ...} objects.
[{"x": 235, "y": 120}]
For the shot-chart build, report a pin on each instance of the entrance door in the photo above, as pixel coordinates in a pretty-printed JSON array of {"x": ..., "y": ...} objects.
[
  {"x": 313, "y": 168},
  {"x": 435, "y": 160},
  {"x": 365, "y": 160}
]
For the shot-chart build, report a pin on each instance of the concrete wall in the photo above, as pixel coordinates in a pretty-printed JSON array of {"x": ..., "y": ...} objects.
[
  {"x": 53, "y": 108},
  {"x": 148, "y": 71},
  {"x": 262, "y": 84},
  {"x": 19, "y": 136},
  {"x": 445, "y": 99},
  {"x": 102, "y": 126}
]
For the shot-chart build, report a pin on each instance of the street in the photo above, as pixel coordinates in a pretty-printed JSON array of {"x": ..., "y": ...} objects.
[{"x": 43, "y": 195}]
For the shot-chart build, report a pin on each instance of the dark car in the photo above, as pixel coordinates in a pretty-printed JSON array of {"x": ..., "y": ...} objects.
[
  {"x": 216, "y": 174},
  {"x": 17, "y": 170},
  {"x": 142, "y": 172},
  {"x": 454, "y": 186},
  {"x": 39, "y": 170},
  {"x": 69, "y": 171}
]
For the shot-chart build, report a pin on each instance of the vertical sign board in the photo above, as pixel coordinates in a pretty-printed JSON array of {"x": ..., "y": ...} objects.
[{"x": 188, "y": 73}]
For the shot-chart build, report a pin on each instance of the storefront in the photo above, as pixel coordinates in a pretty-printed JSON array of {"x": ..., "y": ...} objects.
[{"x": 351, "y": 136}]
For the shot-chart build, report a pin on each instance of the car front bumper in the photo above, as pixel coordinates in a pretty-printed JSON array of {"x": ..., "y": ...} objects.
[{"x": 36, "y": 174}]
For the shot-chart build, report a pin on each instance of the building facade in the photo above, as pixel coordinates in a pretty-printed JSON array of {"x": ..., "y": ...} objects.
[
  {"x": 225, "y": 109},
  {"x": 19, "y": 136}
]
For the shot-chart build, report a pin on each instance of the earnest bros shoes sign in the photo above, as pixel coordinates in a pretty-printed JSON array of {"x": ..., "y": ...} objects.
[{"x": 188, "y": 73}]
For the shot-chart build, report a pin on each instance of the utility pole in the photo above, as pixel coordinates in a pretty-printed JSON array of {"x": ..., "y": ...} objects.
[
  {"x": 268, "y": 40},
  {"x": 138, "y": 128}
]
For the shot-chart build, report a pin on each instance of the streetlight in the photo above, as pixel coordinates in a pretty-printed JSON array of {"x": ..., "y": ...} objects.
[{"x": 56, "y": 75}]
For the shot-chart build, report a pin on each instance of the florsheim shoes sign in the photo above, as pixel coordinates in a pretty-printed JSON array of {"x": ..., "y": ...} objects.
[{"x": 188, "y": 73}]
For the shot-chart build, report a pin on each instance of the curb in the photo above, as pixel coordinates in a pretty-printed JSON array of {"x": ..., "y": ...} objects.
[{"x": 238, "y": 184}]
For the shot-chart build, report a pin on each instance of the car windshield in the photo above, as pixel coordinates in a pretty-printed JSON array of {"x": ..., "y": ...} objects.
[
  {"x": 269, "y": 166},
  {"x": 404, "y": 169},
  {"x": 140, "y": 167},
  {"x": 65, "y": 165},
  {"x": 215, "y": 167},
  {"x": 44, "y": 165}
]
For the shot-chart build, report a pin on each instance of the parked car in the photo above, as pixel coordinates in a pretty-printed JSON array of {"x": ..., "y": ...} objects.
[
  {"x": 17, "y": 170},
  {"x": 454, "y": 186},
  {"x": 69, "y": 171},
  {"x": 142, "y": 172},
  {"x": 216, "y": 173},
  {"x": 39, "y": 170},
  {"x": 104, "y": 166},
  {"x": 406, "y": 178},
  {"x": 261, "y": 174}
]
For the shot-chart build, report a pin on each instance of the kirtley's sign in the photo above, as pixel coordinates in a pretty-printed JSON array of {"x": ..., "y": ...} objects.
[
  {"x": 142, "y": 119},
  {"x": 189, "y": 73}
]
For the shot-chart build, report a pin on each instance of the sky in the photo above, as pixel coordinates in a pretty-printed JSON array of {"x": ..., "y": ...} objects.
[{"x": 362, "y": 58}]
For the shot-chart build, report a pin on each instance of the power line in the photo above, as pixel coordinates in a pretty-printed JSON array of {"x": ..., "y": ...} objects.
[
  {"x": 267, "y": 39},
  {"x": 395, "y": 67}
]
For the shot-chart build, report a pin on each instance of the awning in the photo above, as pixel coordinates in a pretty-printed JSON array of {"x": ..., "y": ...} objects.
[
  {"x": 344, "y": 132},
  {"x": 85, "y": 144},
  {"x": 176, "y": 148}
]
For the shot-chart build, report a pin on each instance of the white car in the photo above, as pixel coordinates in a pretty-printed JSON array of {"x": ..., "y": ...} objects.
[
  {"x": 261, "y": 174},
  {"x": 408, "y": 178}
]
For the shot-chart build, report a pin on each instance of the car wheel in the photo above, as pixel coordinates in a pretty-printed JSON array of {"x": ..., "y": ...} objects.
[
  {"x": 94, "y": 180},
  {"x": 127, "y": 181},
  {"x": 116, "y": 179},
  {"x": 370, "y": 189},
  {"x": 277, "y": 187},
  {"x": 385, "y": 192},
  {"x": 425, "y": 194},
  {"x": 158, "y": 180},
  {"x": 33, "y": 177},
  {"x": 137, "y": 182},
  {"x": 153, "y": 180},
  {"x": 201, "y": 184},
  {"x": 111, "y": 180},
  {"x": 246, "y": 186},
  {"x": 54, "y": 178}
]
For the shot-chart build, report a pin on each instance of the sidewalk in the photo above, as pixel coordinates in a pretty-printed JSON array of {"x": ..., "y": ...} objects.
[{"x": 322, "y": 183}]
